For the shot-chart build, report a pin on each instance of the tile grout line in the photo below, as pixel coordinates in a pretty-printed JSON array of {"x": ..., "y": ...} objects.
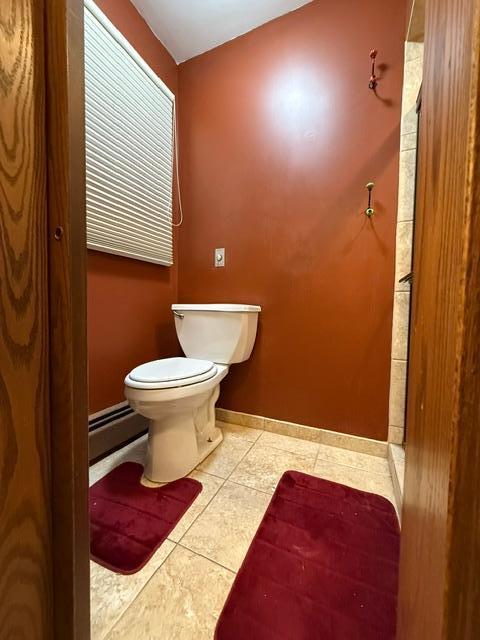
[
  {"x": 201, "y": 555},
  {"x": 200, "y": 513},
  {"x": 224, "y": 480},
  {"x": 246, "y": 486},
  {"x": 252, "y": 444},
  {"x": 363, "y": 470},
  {"x": 209, "y": 473},
  {"x": 296, "y": 453},
  {"x": 137, "y": 595},
  {"x": 317, "y": 458},
  {"x": 351, "y": 466}
]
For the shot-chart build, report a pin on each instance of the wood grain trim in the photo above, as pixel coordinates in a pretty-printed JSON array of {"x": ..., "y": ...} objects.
[
  {"x": 463, "y": 570},
  {"x": 68, "y": 341},
  {"x": 440, "y": 548},
  {"x": 26, "y": 596}
]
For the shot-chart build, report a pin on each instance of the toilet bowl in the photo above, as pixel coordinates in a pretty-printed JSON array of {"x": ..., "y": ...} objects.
[{"x": 178, "y": 395}]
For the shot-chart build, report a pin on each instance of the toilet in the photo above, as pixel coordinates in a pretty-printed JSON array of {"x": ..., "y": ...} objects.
[{"x": 178, "y": 395}]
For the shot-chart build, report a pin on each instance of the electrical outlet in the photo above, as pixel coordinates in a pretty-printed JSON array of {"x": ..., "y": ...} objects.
[{"x": 219, "y": 257}]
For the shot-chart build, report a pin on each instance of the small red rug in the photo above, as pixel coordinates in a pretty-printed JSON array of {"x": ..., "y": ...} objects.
[
  {"x": 128, "y": 522},
  {"x": 323, "y": 566}
]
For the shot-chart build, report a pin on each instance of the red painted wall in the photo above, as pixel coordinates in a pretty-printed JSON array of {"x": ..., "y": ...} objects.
[
  {"x": 279, "y": 135},
  {"x": 129, "y": 317}
]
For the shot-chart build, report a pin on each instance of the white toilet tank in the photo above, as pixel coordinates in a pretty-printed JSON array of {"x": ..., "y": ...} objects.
[{"x": 222, "y": 333}]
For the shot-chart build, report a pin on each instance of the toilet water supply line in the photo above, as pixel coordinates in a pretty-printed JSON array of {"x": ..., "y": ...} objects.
[{"x": 175, "y": 163}]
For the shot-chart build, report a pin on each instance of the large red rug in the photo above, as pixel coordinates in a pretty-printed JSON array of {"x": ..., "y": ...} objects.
[
  {"x": 128, "y": 522},
  {"x": 323, "y": 565}
]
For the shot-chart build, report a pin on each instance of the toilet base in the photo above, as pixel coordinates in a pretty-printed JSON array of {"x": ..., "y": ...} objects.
[
  {"x": 180, "y": 436},
  {"x": 208, "y": 446},
  {"x": 203, "y": 453}
]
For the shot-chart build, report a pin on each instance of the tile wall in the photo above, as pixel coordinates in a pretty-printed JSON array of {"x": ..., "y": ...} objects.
[{"x": 406, "y": 199}]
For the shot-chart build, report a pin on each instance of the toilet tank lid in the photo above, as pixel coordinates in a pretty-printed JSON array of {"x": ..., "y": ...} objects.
[{"x": 231, "y": 308}]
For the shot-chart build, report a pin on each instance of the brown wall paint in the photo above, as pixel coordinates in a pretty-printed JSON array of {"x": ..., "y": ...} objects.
[
  {"x": 129, "y": 317},
  {"x": 279, "y": 135}
]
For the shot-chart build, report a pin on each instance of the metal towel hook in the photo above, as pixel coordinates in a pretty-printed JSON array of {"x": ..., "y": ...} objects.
[
  {"x": 373, "y": 78},
  {"x": 369, "y": 211}
]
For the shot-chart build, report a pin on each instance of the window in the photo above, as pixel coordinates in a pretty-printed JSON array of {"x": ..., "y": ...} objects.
[{"x": 129, "y": 147}]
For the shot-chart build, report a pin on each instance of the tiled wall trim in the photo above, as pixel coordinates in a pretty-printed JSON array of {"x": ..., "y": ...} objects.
[
  {"x": 404, "y": 239},
  {"x": 398, "y": 382},
  {"x": 322, "y": 436},
  {"x": 403, "y": 258},
  {"x": 396, "y": 463},
  {"x": 395, "y": 435}
]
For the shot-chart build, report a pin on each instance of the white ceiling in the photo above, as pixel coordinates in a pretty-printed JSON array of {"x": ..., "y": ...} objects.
[{"x": 190, "y": 27}]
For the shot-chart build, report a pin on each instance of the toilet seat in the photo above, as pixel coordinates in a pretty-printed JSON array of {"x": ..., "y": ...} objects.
[{"x": 169, "y": 373}]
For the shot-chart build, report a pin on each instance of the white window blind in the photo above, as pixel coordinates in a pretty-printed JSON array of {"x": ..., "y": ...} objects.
[{"x": 129, "y": 147}]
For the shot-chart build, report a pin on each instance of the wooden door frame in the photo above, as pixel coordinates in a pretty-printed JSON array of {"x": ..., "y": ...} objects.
[
  {"x": 439, "y": 594},
  {"x": 44, "y": 552},
  {"x": 26, "y": 584},
  {"x": 68, "y": 316},
  {"x": 68, "y": 342}
]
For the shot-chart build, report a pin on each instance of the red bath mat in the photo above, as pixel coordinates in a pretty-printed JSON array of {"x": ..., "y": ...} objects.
[
  {"x": 128, "y": 522},
  {"x": 323, "y": 566}
]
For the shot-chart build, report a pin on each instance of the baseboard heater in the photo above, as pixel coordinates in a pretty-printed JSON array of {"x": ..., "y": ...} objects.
[{"x": 112, "y": 427}]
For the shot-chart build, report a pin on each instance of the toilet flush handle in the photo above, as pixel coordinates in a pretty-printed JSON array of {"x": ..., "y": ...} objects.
[{"x": 179, "y": 315}]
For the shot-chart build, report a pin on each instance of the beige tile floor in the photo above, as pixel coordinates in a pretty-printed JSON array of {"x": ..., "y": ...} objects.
[{"x": 179, "y": 594}]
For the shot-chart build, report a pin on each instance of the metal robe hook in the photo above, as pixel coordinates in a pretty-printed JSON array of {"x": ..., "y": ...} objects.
[
  {"x": 369, "y": 211},
  {"x": 373, "y": 78}
]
